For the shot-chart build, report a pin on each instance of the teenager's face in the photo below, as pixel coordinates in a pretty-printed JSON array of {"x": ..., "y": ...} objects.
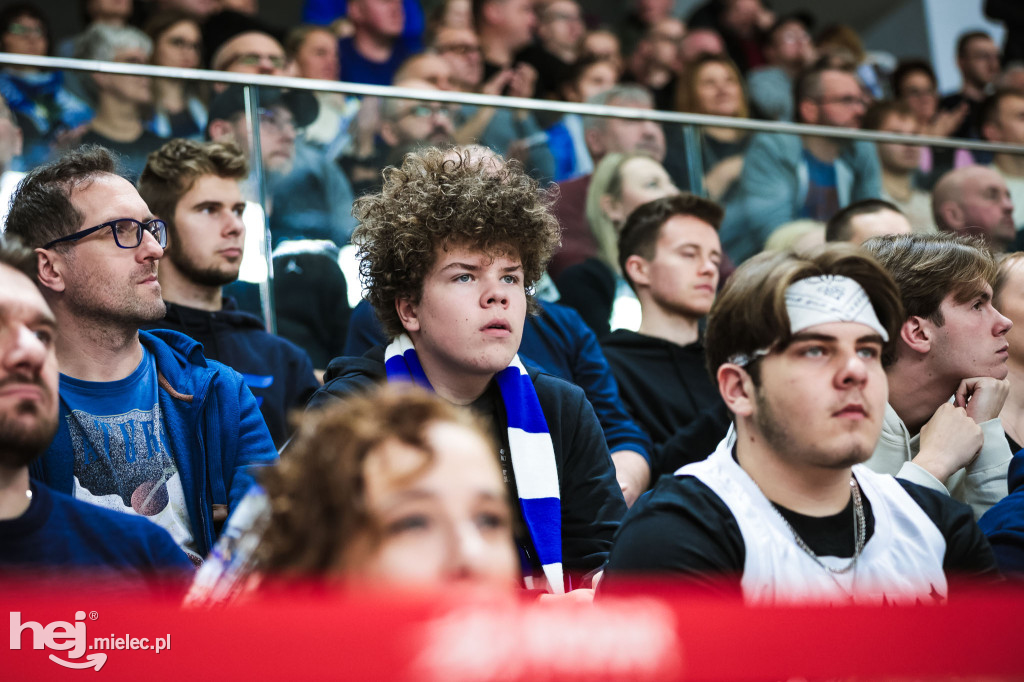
[
  {"x": 206, "y": 244},
  {"x": 643, "y": 180},
  {"x": 972, "y": 340},
  {"x": 1011, "y": 304},
  {"x": 470, "y": 316},
  {"x": 820, "y": 401},
  {"x": 449, "y": 521},
  {"x": 683, "y": 276}
]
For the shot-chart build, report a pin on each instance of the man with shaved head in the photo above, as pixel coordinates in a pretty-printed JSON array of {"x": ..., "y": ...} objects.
[{"x": 975, "y": 200}]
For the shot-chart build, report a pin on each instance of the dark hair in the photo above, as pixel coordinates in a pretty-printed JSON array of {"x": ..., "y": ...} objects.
[
  {"x": 41, "y": 208},
  {"x": 965, "y": 38},
  {"x": 929, "y": 267},
  {"x": 639, "y": 235},
  {"x": 569, "y": 76},
  {"x": 904, "y": 69},
  {"x": 989, "y": 111},
  {"x": 802, "y": 18},
  {"x": 750, "y": 313},
  {"x": 22, "y": 9},
  {"x": 16, "y": 255},
  {"x": 807, "y": 84},
  {"x": 876, "y": 114},
  {"x": 840, "y": 227}
]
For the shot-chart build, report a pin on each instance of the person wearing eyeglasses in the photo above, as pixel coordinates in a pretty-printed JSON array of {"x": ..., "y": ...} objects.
[
  {"x": 179, "y": 106},
  {"x": 239, "y": 43},
  {"x": 147, "y": 424},
  {"x": 120, "y": 100},
  {"x": 786, "y": 177}
]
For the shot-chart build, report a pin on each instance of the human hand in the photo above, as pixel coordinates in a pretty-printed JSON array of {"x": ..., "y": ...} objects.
[
  {"x": 497, "y": 83},
  {"x": 580, "y": 596},
  {"x": 982, "y": 397},
  {"x": 949, "y": 441},
  {"x": 946, "y": 122},
  {"x": 633, "y": 474},
  {"x": 722, "y": 175},
  {"x": 524, "y": 78}
]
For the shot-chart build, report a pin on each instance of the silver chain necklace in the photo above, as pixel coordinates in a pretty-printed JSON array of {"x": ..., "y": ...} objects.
[{"x": 859, "y": 533}]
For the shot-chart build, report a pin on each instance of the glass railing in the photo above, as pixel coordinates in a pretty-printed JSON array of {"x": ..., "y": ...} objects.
[{"x": 321, "y": 144}]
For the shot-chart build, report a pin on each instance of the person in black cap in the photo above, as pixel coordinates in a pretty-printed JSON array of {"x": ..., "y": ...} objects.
[{"x": 241, "y": 44}]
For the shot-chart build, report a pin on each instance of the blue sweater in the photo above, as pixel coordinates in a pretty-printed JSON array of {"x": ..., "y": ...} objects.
[
  {"x": 58, "y": 531},
  {"x": 1003, "y": 524},
  {"x": 557, "y": 341},
  {"x": 214, "y": 428}
]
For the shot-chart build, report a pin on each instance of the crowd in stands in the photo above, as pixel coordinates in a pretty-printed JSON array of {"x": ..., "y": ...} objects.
[{"x": 783, "y": 366}]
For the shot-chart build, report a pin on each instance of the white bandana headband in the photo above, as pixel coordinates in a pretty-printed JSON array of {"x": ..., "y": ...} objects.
[{"x": 820, "y": 300}]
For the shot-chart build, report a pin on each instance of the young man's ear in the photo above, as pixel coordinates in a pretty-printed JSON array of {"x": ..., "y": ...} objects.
[
  {"x": 50, "y": 270},
  {"x": 387, "y": 133},
  {"x": 408, "y": 314},
  {"x": 737, "y": 389},
  {"x": 636, "y": 270},
  {"x": 917, "y": 334}
]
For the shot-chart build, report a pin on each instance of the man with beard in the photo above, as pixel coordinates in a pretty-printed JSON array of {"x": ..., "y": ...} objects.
[
  {"x": 784, "y": 511},
  {"x": 147, "y": 425},
  {"x": 194, "y": 187},
  {"x": 41, "y": 528}
]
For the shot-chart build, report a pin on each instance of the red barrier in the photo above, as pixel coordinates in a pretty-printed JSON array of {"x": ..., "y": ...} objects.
[{"x": 467, "y": 636}]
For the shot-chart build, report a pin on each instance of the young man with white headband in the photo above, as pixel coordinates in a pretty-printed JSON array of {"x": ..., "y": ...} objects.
[
  {"x": 784, "y": 511},
  {"x": 450, "y": 248}
]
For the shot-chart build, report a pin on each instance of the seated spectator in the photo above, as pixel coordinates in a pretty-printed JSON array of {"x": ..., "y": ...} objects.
[
  {"x": 505, "y": 27},
  {"x": 796, "y": 235},
  {"x": 657, "y": 61},
  {"x": 974, "y": 200},
  {"x": 179, "y": 106},
  {"x": 797, "y": 343},
  {"x": 195, "y": 188},
  {"x": 787, "y": 177},
  {"x": 455, "y": 317},
  {"x": 108, "y": 12},
  {"x": 602, "y": 44},
  {"x": 977, "y": 58},
  {"x": 951, "y": 345},
  {"x": 239, "y": 43},
  {"x": 44, "y": 533},
  {"x": 603, "y": 135},
  {"x": 374, "y": 51},
  {"x": 698, "y": 42},
  {"x": 50, "y": 117},
  {"x": 121, "y": 101},
  {"x": 147, "y": 425},
  {"x": 864, "y": 219},
  {"x": 840, "y": 44},
  {"x": 331, "y": 12},
  {"x": 1012, "y": 77},
  {"x": 1001, "y": 117},
  {"x": 313, "y": 53},
  {"x": 595, "y": 287},
  {"x": 559, "y": 31},
  {"x": 587, "y": 78},
  {"x": 740, "y": 24},
  {"x": 711, "y": 85},
  {"x": 642, "y": 15},
  {"x": 10, "y": 153},
  {"x": 914, "y": 84},
  {"x": 450, "y": 14},
  {"x": 900, "y": 163},
  {"x": 788, "y": 50},
  {"x": 669, "y": 254}
]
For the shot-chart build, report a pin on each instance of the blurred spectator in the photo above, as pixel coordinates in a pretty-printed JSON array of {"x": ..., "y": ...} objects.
[
  {"x": 977, "y": 57},
  {"x": 595, "y": 287},
  {"x": 50, "y": 117},
  {"x": 796, "y": 235},
  {"x": 280, "y": 115},
  {"x": 788, "y": 50},
  {"x": 712, "y": 85},
  {"x": 121, "y": 101},
  {"x": 603, "y": 135},
  {"x": 643, "y": 15},
  {"x": 786, "y": 177},
  {"x": 559, "y": 32},
  {"x": 862, "y": 220},
  {"x": 602, "y": 44},
  {"x": 10, "y": 151},
  {"x": 238, "y": 43},
  {"x": 426, "y": 67},
  {"x": 974, "y": 200},
  {"x": 504, "y": 27},
  {"x": 461, "y": 49},
  {"x": 842, "y": 45},
  {"x": 1002, "y": 120},
  {"x": 657, "y": 61},
  {"x": 327, "y": 12},
  {"x": 200, "y": 9},
  {"x": 109, "y": 12},
  {"x": 374, "y": 51},
  {"x": 313, "y": 52},
  {"x": 900, "y": 163},
  {"x": 1012, "y": 77},
  {"x": 588, "y": 77},
  {"x": 250, "y": 7},
  {"x": 450, "y": 14},
  {"x": 740, "y": 23},
  {"x": 698, "y": 42},
  {"x": 1012, "y": 15},
  {"x": 179, "y": 106}
]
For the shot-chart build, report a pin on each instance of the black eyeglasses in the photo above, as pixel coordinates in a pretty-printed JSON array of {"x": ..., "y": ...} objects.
[{"x": 128, "y": 232}]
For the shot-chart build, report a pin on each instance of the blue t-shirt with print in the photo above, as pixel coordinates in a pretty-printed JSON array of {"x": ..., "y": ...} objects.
[
  {"x": 122, "y": 459},
  {"x": 822, "y": 200}
]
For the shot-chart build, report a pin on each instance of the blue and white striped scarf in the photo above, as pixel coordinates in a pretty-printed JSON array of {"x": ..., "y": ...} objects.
[{"x": 533, "y": 455}]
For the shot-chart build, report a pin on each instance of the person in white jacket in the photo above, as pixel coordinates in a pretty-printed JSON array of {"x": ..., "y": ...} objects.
[{"x": 947, "y": 374}]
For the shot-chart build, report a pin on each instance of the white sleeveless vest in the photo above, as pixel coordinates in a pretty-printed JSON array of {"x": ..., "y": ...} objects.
[{"x": 901, "y": 562}]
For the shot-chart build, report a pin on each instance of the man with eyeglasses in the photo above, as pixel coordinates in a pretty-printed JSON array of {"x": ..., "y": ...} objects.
[
  {"x": 147, "y": 426},
  {"x": 786, "y": 177},
  {"x": 239, "y": 43},
  {"x": 977, "y": 57}
]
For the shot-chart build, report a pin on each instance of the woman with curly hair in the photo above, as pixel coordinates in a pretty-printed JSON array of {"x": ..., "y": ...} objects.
[{"x": 451, "y": 248}]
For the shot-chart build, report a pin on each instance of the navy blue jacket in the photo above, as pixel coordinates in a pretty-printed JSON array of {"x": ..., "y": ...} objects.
[
  {"x": 559, "y": 342},
  {"x": 279, "y": 373},
  {"x": 215, "y": 432},
  {"x": 1003, "y": 524}
]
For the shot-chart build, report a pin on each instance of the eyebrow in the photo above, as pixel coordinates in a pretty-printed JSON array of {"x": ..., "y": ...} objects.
[
  {"x": 475, "y": 268},
  {"x": 810, "y": 336}
]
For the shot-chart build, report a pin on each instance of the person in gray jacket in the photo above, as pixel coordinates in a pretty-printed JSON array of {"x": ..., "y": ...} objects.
[
  {"x": 786, "y": 177},
  {"x": 947, "y": 373}
]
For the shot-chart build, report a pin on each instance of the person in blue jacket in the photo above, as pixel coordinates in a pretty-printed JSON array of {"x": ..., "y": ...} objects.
[
  {"x": 147, "y": 425},
  {"x": 43, "y": 533}
]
